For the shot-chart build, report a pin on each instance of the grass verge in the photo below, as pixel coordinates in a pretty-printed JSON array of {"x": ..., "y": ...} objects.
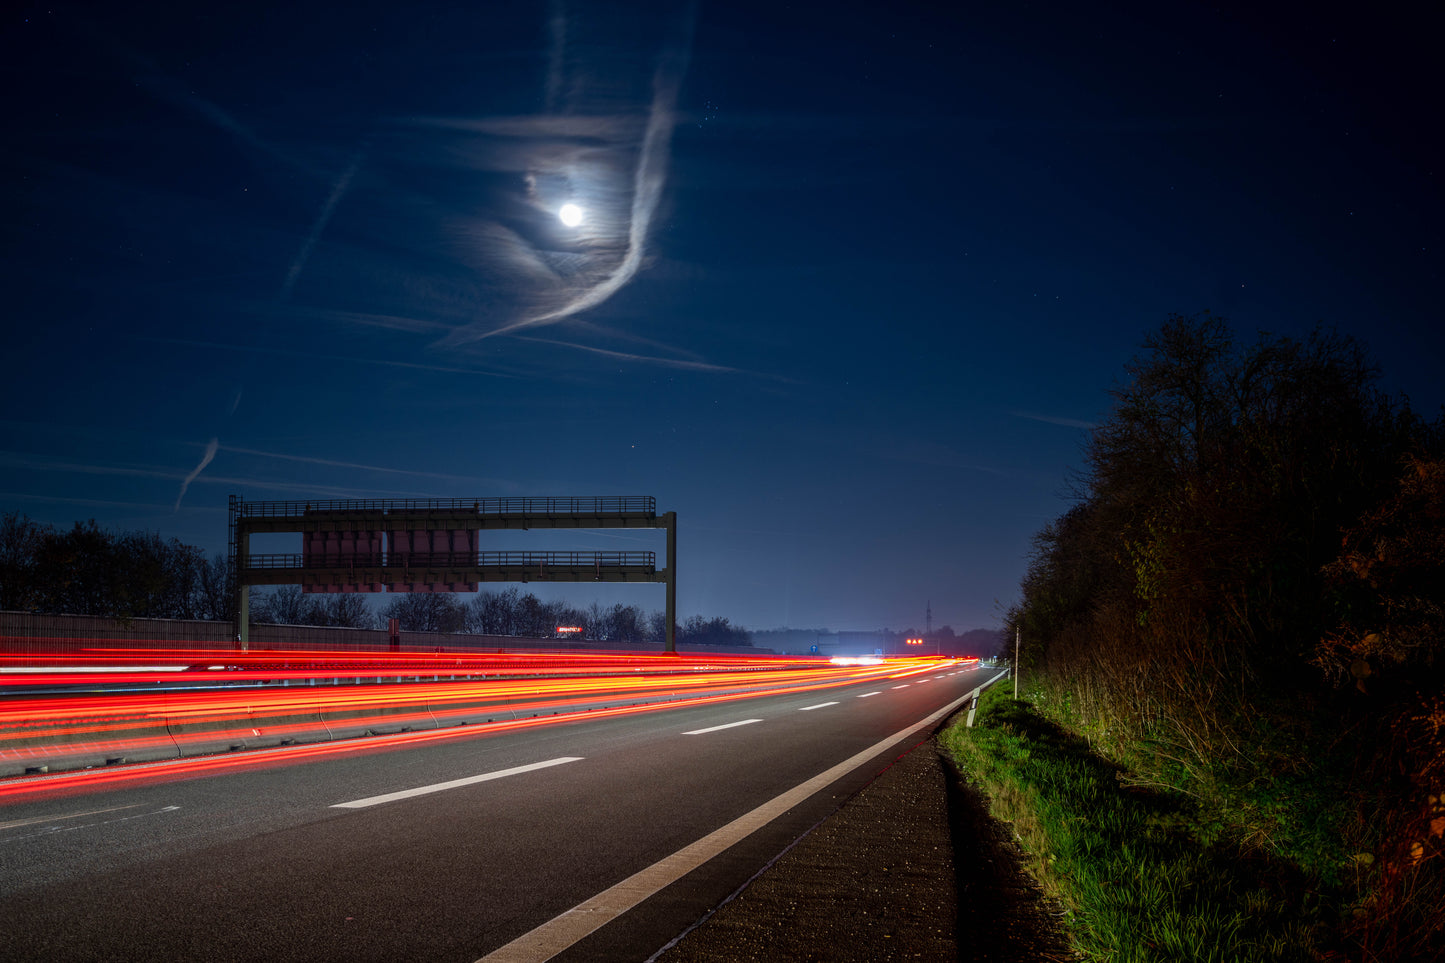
[{"x": 1141, "y": 877}]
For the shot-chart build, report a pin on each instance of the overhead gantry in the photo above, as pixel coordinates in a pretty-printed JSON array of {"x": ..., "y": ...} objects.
[{"x": 432, "y": 545}]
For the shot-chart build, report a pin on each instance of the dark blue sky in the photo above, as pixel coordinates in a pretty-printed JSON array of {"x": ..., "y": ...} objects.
[{"x": 851, "y": 284}]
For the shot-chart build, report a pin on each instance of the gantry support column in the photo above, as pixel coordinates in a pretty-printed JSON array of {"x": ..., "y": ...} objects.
[
  {"x": 243, "y": 591},
  {"x": 671, "y": 519}
]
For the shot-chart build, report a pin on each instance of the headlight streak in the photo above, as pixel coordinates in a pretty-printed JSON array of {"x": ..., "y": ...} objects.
[{"x": 532, "y": 689}]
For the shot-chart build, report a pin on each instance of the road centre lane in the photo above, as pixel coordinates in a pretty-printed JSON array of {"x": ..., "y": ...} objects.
[
  {"x": 294, "y": 791},
  {"x": 448, "y": 875},
  {"x": 565, "y": 931}
]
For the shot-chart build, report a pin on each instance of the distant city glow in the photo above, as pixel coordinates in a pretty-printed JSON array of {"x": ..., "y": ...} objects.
[{"x": 570, "y": 214}]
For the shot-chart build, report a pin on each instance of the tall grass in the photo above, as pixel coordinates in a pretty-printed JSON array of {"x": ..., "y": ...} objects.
[{"x": 1146, "y": 873}]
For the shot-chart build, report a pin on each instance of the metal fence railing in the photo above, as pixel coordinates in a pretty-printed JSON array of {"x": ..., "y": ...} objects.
[
  {"x": 454, "y": 560},
  {"x": 645, "y": 505}
]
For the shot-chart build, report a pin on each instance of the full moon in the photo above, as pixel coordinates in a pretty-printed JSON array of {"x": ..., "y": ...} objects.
[{"x": 570, "y": 214}]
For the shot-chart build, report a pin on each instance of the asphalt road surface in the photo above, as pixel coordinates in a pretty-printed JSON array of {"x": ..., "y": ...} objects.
[{"x": 602, "y": 839}]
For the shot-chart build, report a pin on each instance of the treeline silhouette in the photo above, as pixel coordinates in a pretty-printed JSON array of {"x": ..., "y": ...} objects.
[
  {"x": 508, "y": 613},
  {"x": 1246, "y": 604},
  {"x": 86, "y": 570}
]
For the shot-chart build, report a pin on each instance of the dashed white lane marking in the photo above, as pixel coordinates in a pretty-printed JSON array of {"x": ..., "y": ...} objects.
[
  {"x": 867, "y": 694},
  {"x": 53, "y": 829},
  {"x": 453, "y": 784},
  {"x": 52, "y": 819},
  {"x": 556, "y": 935},
  {"x": 903, "y": 686},
  {"x": 821, "y": 705},
  {"x": 728, "y": 725}
]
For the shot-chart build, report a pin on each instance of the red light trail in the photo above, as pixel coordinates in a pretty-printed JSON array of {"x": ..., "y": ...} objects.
[{"x": 167, "y": 702}]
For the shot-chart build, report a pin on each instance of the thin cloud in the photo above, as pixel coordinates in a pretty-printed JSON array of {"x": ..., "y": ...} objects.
[
  {"x": 679, "y": 363},
  {"x": 88, "y": 502},
  {"x": 150, "y": 77},
  {"x": 236, "y": 483},
  {"x": 649, "y": 179},
  {"x": 206, "y": 459},
  {"x": 557, "y": 27},
  {"x": 310, "y": 355},
  {"x": 1055, "y": 420},
  {"x": 43, "y": 463},
  {"x": 308, "y": 460},
  {"x": 648, "y": 183},
  {"x": 389, "y": 322}
]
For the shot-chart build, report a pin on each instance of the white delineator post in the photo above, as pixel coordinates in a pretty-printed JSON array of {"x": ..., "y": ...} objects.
[{"x": 1016, "y": 662}]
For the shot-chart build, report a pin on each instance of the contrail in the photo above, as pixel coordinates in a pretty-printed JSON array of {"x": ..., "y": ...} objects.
[
  {"x": 305, "y": 253},
  {"x": 681, "y": 363},
  {"x": 648, "y": 182},
  {"x": 1055, "y": 420},
  {"x": 344, "y": 464},
  {"x": 557, "y": 27},
  {"x": 285, "y": 352},
  {"x": 205, "y": 460}
]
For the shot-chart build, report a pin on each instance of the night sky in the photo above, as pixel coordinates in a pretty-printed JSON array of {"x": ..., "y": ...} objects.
[{"x": 850, "y": 286}]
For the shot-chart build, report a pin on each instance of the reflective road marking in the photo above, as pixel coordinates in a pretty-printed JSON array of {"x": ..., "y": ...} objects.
[
  {"x": 556, "y": 935},
  {"x": 454, "y": 784},
  {"x": 699, "y": 732}
]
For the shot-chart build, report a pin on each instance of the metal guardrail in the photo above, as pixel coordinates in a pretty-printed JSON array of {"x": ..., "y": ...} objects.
[
  {"x": 454, "y": 560},
  {"x": 565, "y": 505}
]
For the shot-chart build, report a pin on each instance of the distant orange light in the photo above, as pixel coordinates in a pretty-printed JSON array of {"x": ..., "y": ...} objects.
[{"x": 568, "y": 629}]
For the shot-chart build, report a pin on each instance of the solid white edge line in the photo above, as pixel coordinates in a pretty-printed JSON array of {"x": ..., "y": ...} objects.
[
  {"x": 563, "y": 931},
  {"x": 821, "y": 705},
  {"x": 726, "y": 725},
  {"x": 454, "y": 784}
]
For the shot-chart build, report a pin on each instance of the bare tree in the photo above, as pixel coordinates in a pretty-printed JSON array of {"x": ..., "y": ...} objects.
[
  {"x": 427, "y": 612},
  {"x": 215, "y": 590},
  {"x": 492, "y": 613},
  {"x": 348, "y": 610},
  {"x": 288, "y": 605},
  {"x": 20, "y": 541}
]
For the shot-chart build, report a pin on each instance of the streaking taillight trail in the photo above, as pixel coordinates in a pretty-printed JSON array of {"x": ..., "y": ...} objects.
[{"x": 107, "y": 706}]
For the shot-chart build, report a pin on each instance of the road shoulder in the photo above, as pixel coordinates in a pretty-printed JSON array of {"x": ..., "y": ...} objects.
[{"x": 912, "y": 867}]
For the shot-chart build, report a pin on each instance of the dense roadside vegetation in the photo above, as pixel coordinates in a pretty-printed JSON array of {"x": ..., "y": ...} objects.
[
  {"x": 1232, "y": 741},
  {"x": 87, "y": 570},
  {"x": 1146, "y": 874}
]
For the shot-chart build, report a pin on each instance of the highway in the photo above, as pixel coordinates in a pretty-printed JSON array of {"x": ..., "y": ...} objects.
[{"x": 598, "y": 838}]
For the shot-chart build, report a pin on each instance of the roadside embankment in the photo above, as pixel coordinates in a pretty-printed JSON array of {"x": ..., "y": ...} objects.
[{"x": 1146, "y": 874}]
